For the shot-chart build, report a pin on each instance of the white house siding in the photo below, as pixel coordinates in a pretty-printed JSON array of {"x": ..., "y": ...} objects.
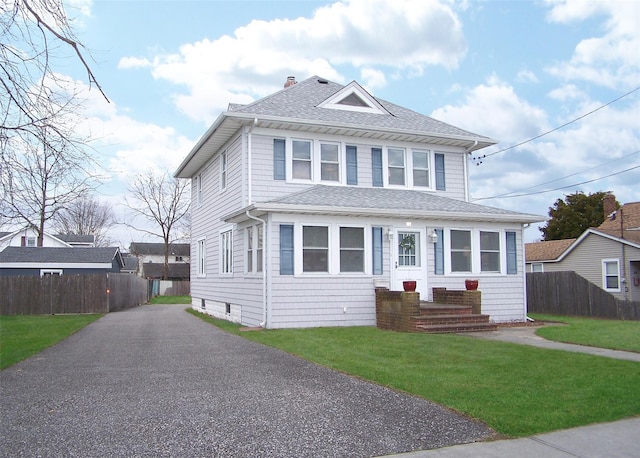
[
  {"x": 214, "y": 288},
  {"x": 264, "y": 187},
  {"x": 322, "y": 301}
]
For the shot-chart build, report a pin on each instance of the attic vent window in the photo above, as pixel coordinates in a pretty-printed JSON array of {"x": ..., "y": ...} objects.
[
  {"x": 353, "y": 100},
  {"x": 353, "y": 97}
]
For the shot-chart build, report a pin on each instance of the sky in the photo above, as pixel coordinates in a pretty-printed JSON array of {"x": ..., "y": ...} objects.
[{"x": 557, "y": 83}]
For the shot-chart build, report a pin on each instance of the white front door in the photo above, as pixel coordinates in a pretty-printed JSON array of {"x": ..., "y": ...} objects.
[{"x": 408, "y": 257}]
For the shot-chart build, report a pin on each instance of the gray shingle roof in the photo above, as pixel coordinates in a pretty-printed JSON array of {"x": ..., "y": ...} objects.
[
  {"x": 390, "y": 202},
  {"x": 157, "y": 249},
  {"x": 301, "y": 101},
  {"x": 76, "y": 238},
  {"x": 59, "y": 255}
]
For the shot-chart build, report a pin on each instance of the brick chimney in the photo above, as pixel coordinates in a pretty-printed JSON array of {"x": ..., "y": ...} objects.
[
  {"x": 609, "y": 205},
  {"x": 291, "y": 80}
]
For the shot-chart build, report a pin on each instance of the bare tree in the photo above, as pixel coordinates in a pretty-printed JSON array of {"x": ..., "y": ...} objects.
[
  {"x": 162, "y": 200},
  {"x": 34, "y": 35},
  {"x": 39, "y": 181},
  {"x": 44, "y": 165},
  {"x": 86, "y": 216}
]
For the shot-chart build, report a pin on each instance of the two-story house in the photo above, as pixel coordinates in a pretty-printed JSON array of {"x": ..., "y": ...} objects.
[{"x": 306, "y": 200}]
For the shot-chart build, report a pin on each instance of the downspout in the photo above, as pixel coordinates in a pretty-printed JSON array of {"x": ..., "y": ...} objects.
[
  {"x": 249, "y": 168},
  {"x": 265, "y": 253},
  {"x": 623, "y": 277},
  {"x": 466, "y": 171}
]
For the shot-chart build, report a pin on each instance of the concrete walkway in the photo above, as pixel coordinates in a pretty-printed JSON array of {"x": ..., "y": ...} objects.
[
  {"x": 618, "y": 439},
  {"x": 527, "y": 336}
]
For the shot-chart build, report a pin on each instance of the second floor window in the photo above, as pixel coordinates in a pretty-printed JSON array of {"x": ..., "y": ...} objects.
[
  {"x": 301, "y": 159},
  {"x": 329, "y": 162},
  {"x": 396, "y": 166},
  {"x": 420, "y": 168}
]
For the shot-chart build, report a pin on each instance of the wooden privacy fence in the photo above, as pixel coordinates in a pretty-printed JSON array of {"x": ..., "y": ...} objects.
[
  {"x": 57, "y": 294},
  {"x": 567, "y": 293},
  {"x": 169, "y": 288}
]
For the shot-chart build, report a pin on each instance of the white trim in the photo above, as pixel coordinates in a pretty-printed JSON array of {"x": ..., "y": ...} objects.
[
  {"x": 604, "y": 275},
  {"x": 353, "y": 88},
  {"x": 44, "y": 272}
]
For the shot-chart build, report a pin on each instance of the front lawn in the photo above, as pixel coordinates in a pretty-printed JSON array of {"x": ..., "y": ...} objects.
[
  {"x": 516, "y": 389},
  {"x": 594, "y": 332},
  {"x": 22, "y": 336}
]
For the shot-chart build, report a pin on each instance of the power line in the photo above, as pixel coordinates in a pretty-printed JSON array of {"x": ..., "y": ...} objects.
[
  {"x": 479, "y": 158},
  {"x": 507, "y": 194},
  {"x": 563, "y": 187}
]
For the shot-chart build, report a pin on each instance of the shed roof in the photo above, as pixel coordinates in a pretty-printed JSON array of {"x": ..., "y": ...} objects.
[
  {"x": 384, "y": 202},
  {"x": 17, "y": 254}
]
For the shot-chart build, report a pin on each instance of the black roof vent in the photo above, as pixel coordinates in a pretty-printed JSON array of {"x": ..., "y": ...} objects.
[{"x": 322, "y": 81}]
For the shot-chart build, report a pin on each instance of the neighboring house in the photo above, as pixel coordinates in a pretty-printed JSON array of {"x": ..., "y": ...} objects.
[
  {"x": 59, "y": 260},
  {"x": 306, "y": 200},
  {"x": 78, "y": 240},
  {"x": 608, "y": 256},
  {"x": 28, "y": 237},
  {"x": 130, "y": 264},
  {"x": 151, "y": 259}
]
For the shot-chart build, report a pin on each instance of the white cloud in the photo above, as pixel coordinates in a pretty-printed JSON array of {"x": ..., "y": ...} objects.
[
  {"x": 134, "y": 62},
  {"x": 373, "y": 79},
  {"x": 495, "y": 110},
  {"x": 567, "y": 92},
  {"x": 526, "y": 76},
  {"x": 408, "y": 36},
  {"x": 609, "y": 60}
]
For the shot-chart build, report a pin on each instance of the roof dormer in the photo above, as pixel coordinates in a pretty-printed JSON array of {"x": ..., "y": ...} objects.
[{"x": 353, "y": 97}]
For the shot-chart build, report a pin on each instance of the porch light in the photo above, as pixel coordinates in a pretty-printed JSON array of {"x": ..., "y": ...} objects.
[
  {"x": 390, "y": 233},
  {"x": 433, "y": 236}
]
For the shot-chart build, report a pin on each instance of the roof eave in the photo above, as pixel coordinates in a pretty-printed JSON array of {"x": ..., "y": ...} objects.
[{"x": 261, "y": 209}]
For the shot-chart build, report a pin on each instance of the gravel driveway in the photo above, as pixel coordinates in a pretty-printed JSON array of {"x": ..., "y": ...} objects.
[{"x": 156, "y": 381}]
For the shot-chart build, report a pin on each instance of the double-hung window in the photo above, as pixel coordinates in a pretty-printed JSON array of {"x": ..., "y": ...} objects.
[
  {"x": 201, "y": 257},
  {"x": 198, "y": 188},
  {"x": 489, "y": 251},
  {"x": 420, "y": 168},
  {"x": 460, "y": 251},
  {"x": 254, "y": 251},
  {"x": 250, "y": 249},
  {"x": 329, "y": 162},
  {"x": 315, "y": 249},
  {"x": 611, "y": 275},
  {"x": 396, "y": 166},
  {"x": 351, "y": 249},
  {"x": 226, "y": 252},
  {"x": 301, "y": 159}
]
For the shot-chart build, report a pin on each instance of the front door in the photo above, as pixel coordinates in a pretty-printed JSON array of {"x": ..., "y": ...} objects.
[{"x": 409, "y": 259}]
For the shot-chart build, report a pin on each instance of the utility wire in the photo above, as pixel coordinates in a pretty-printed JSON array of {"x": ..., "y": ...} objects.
[
  {"x": 507, "y": 194},
  {"x": 479, "y": 158},
  {"x": 564, "y": 187}
]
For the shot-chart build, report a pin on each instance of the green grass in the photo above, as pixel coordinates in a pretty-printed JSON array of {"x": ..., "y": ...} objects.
[
  {"x": 594, "y": 332},
  {"x": 23, "y": 336},
  {"x": 518, "y": 390},
  {"x": 171, "y": 300}
]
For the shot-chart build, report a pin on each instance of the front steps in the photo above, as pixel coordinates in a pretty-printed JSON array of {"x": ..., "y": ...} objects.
[{"x": 443, "y": 318}]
